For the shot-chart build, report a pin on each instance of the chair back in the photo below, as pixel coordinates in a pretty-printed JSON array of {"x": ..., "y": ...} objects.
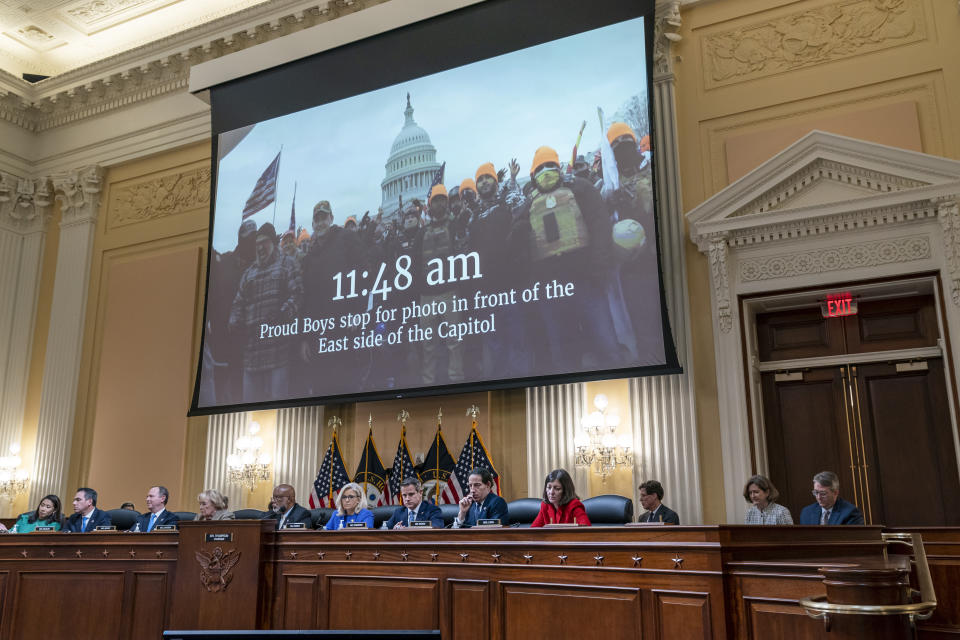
[
  {"x": 321, "y": 516},
  {"x": 450, "y": 512},
  {"x": 185, "y": 516},
  {"x": 249, "y": 514},
  {"x": 609, "y": 510},
  {"x": 381, "y": 515},
  {"x": 123, "y": 519},
  {"x": 523, "y": 511}
]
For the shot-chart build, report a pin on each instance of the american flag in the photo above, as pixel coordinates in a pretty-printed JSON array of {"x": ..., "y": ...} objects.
[
  {"x": 436, "y": 470},
  {"x": 402, "y": 467},
  {"x": 265, "y": 191},
  {"x": 437, "y": 178},
  {"x": 331, "y": 478},
  {"x": 372, "y": 476},
  {"x": 473, "y": 456}
]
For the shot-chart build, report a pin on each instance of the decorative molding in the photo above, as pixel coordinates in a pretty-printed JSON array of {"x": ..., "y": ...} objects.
[
  {"x": 854, "y": 256},
  {"x": 25, "y": 204},
  {"x": 666, "y": 32},
  {"x": 809, "y": 38},
  {"x": 160, "y": 196},
  {"x": 95, "y": 15},
  {"x": 717, "y": 255},
  {"x": 948, "y": 210},
  {"x": 78, "y": 193}
]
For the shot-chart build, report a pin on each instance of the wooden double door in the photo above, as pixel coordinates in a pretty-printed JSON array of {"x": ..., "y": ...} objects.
[{"x": 883, "y": 426}]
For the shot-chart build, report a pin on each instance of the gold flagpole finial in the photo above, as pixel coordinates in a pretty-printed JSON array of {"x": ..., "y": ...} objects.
[
  {"x": 403, "y": 416},
  {"x": 439, "y": 415},
  {"x": 334, "y": 422},
  {"x": 473, "y": 412},
  {"x": 370, "y": 421}
]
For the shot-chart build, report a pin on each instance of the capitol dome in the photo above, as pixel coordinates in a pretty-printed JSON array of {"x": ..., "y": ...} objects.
[{"x": 411, "y": 166}]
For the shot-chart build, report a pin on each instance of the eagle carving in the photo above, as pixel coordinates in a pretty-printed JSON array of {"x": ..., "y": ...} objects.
[{"x": 215, "y": 568}]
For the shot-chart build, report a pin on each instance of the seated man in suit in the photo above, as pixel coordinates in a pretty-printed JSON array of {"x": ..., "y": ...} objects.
[
  {"x": 829, "y": 508},
  {"x": 288, "y": 510},
  {"x": 651, "y": 493},
  {"x": 86, "y": 517},
  {"x": 414, "y": 508},
  {"x": 157, "y": 513},
  {"x": 481, "y": 503}
]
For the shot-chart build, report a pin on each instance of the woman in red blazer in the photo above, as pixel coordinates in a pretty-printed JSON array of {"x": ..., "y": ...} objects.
[{"x": 560, "y": 502}]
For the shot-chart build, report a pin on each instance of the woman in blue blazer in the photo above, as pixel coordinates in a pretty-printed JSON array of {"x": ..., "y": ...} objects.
[{"x": 351, "y": 507}]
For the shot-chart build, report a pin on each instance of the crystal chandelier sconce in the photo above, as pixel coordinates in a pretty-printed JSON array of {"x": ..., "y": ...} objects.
[
  {"x": 596, "y": 443},
  {"x": 248, "y": 467},
  {"x": 13, "y": 480}
]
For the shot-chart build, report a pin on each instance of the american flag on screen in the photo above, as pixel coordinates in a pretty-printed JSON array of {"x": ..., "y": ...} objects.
[
  {"x": 402, "y": 467},
  {"x": 473, "y": 456},
  {"x": 265, "y": 191},
  {"x": 331, "y": 478},
  {"x": 372, "y": 476},
  {"x": 437, "y": 177}
]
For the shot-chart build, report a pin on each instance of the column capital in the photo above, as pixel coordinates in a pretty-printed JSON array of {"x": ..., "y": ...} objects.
[
  {"x": 666, "y": 31},
  {"x": 78, "y": 192},
  {"x": 25, "y": 203}
]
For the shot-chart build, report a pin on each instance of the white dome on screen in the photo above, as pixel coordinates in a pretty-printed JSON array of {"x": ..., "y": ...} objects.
[{"x": 411, "y": 166}]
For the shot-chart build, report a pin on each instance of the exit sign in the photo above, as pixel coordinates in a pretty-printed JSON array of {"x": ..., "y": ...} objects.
[{"x": 838, "y": 305}]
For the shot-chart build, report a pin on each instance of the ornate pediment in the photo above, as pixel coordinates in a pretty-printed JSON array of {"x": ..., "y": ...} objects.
[{"x": 824, "y": 183}]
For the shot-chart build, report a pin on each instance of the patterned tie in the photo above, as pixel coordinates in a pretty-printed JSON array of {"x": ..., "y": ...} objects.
[
  {"x": 825, "y": 518},
  {"x": 153, "y": 520}
]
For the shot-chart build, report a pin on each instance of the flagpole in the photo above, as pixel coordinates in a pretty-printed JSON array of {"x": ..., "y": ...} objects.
[
  {"x": 436, "y": 475},
  {"x": 276, "y": 193},
  {"x": 366, "y": 453}
]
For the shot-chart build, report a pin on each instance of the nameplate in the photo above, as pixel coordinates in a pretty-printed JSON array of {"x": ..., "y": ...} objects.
[
  {"x": 219, "y": 537},
  {"x": 421, "y": 524},
  {"x": 645, "y": 524},
  {"x": 295, "y": 525},
  {"x": 564, "y": 525},
  {"x": 44, "y": 528},
  {"x": 106, "y": 527},
  {"x": 488, "y": 522},
  {"x": 356, "y": 525},
  {"x": 165, "y": 527}
]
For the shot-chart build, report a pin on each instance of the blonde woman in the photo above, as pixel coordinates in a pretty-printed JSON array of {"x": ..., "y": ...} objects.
[
  {"x": 213, "y": 506},
  {"x": 351, "y": 507}
]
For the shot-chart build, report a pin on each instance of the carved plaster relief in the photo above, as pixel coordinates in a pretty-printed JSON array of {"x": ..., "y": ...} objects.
[
  {"x": 79, "y": 194},
  {"x": 158, "y": 197},
  {"x": 808, "y": 38},
  {"x": 91, "y": 16},
  {"x": 949, "y": 214},
  {"x": 721, "y": 288},
  {"x": 855, "y": 256},
  {"x": 24, "y": 203}
]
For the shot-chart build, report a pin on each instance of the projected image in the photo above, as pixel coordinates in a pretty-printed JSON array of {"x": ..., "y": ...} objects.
[{"x": 491, "y": 222}]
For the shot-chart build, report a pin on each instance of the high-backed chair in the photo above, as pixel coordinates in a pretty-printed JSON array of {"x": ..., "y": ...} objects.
[
  {"x": 249, "y": 514},
  {"x": 321, "y": 516},
  {"x": 609, "y": 510},
  {"x": 381, "y": 515},
  {"x": 185, "y": 516},
  {"x": 123, "y": 519},
  {"x": 523, "y": 511},
  {"x": 449, "y": 512}
]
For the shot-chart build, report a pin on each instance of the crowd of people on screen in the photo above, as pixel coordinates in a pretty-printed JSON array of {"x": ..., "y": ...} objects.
[{"x": 480, "y": 507}]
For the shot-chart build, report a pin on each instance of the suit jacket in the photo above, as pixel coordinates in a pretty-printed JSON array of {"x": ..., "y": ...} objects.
[
  {"x": 572, "y": 512},
  {"x": 663, "y": 514},
  {"x": 492, "y": 507},
  {"x": 425, "y": 511},
  {"x": 843, "y": 513},
  {"x": 143, "y": 520},
  {"x": 98, "y": 518},
  {"x": 297, "y": 514}
]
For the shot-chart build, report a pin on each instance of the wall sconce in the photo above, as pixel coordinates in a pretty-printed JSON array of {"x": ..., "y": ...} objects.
[
  {"x": 596, "y": 444},
  {"x": 249, "y": 466},
  {"x": 13, "y": 479}
]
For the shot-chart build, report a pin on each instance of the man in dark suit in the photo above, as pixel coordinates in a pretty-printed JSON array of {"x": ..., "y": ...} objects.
[
  {"x": 157, "y": 513},
  {"x": 414, "y": 508},
  {"x": 829, "y": 508},
  {"x": 651, "y": 493},
  {"x": 86, "y": 517},
  {"x": 481, "y": 503},
  {"x": 288, "y": 511}
]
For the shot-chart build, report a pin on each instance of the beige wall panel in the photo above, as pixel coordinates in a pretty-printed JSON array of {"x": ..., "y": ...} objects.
[{"x": 140, "y": 430}]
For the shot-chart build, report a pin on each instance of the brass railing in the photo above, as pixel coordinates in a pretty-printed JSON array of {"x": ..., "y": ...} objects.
[{"x": 925, "y": 600}]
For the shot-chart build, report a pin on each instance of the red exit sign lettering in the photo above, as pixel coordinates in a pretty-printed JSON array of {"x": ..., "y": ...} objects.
[{"x": 838, "y": 305}]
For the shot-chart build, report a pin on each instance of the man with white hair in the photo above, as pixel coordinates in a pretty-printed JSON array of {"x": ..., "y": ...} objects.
[{"x": 829, "y": 508}]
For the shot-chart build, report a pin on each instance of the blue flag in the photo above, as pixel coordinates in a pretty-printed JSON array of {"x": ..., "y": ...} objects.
[{"x": 371, "y": 475}]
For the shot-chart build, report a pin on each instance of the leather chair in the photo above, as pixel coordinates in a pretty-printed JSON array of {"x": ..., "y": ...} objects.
[
  {"x": 185, "y": 516},
  {"x": 609, "y": 510},
  {"x": 249, "y": 514},
  {"x": 523, "y": 511},
  {"x": 449, "y": 512},
  {"x": 123, "y": 519},
  {"x": 381, "y": 515},
  {"x": 320, "y": 517}
]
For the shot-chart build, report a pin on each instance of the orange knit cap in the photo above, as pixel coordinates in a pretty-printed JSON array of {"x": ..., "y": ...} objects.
[
  {"x": 486, "y": 169},
  {"x": 437, "y": 190},
  {"x": 618, "y": 129},
  {"x": 468, "y": 183},
  {"x": 542, "y": 156}
]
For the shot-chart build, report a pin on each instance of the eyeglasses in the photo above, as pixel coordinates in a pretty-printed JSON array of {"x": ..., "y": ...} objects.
[
  {"x": 821, "y": 494},
  {"x": 349, "y": 497}
]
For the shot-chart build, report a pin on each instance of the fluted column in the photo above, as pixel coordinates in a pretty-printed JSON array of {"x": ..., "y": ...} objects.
[
  {"x": 79, "y": 195},
  {"x": 662, "y": 407},
  {"x": 298, "y": 444},
  {"x": 553, "y": 414},
  {"x": 25, "y": 208},
  {"x": 222, "y": 433}
]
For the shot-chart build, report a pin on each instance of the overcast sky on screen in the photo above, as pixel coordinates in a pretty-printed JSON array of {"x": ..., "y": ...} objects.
[{"x": 488, "y": 111}]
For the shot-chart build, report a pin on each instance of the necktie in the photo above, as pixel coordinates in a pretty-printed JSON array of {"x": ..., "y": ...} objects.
[
  {"x": 153, "y": 520},
  {"x": 84, "y": 527},
  {"x": 410, "y": 516},
  {"x": 825, "y": 517}
]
